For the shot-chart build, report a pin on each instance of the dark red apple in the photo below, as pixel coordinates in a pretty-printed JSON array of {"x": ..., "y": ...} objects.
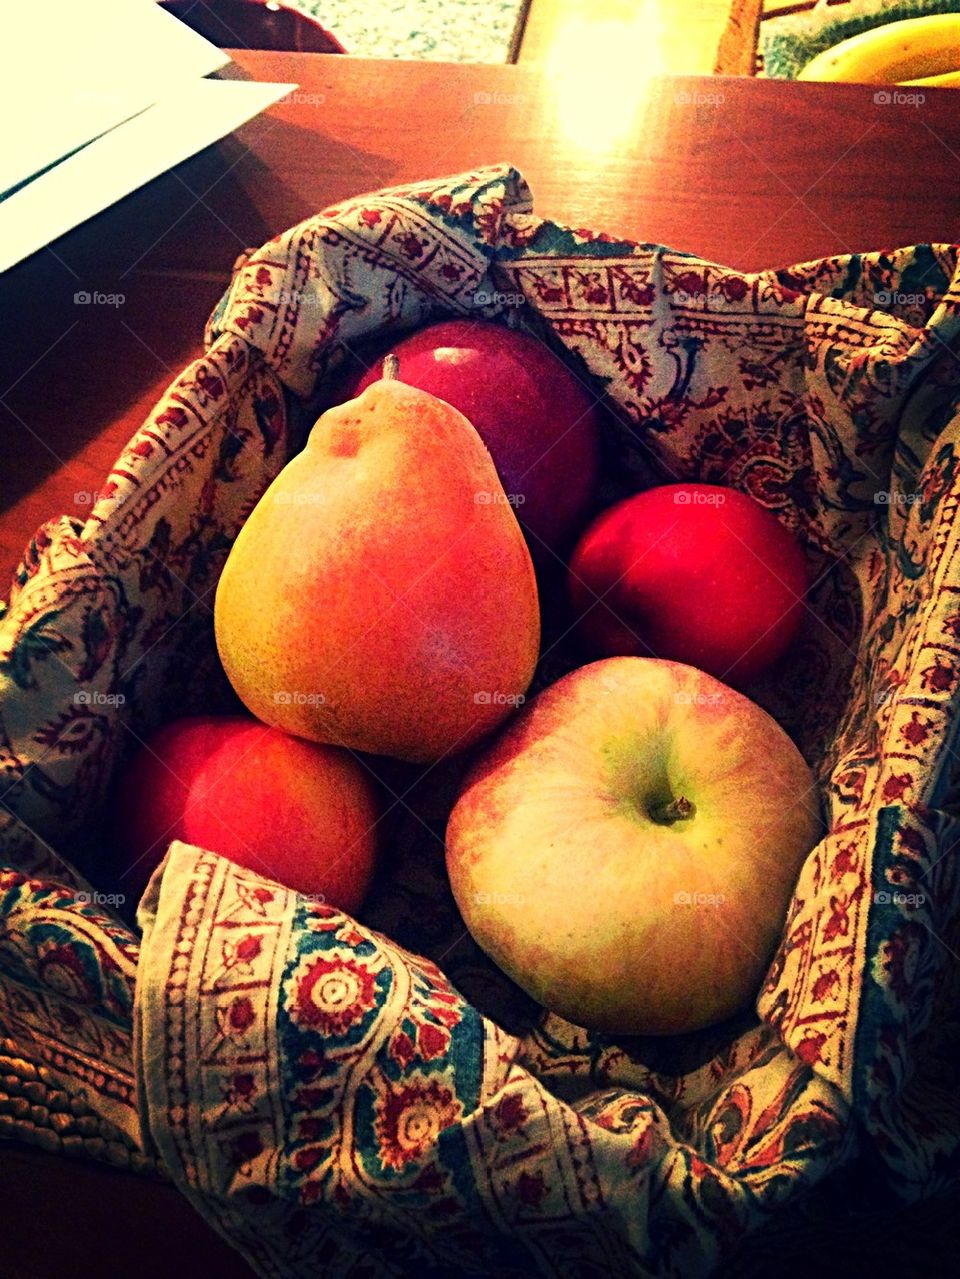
[
  {"x": 299, "y": 813},
  {"x": 535, "y": 416},
  {"x": 694, "y": 573}
]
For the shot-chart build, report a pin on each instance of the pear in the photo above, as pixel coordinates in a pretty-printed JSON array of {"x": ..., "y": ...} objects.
[{"x": 381, "y": 596}]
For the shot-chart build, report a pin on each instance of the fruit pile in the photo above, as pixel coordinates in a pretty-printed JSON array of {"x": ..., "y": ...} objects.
[{"x": 625, "y": 843}]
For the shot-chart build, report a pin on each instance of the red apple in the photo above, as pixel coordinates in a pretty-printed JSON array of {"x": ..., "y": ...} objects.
[
  {"x": 695, "y": 573},
  {"x": 627, "y": 849},
  {"x": 537, "y": 419},
  {"x": 302, "y": 814}
]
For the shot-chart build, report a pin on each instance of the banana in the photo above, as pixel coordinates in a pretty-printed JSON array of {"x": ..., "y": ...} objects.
[
  {"x": 948, "y": 80},
  {"x": 915, "y": 47}
]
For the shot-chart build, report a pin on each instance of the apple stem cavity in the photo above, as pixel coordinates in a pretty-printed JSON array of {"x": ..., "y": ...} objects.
[
  {"x": 391, "y": 368},
  {"x": 676, "y": 810}
]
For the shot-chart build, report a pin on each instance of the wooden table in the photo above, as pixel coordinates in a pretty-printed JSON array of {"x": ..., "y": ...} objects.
[{"x": 746, "y": 172}]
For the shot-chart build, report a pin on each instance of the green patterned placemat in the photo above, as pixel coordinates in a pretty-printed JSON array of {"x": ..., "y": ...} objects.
[{"x": 440, "y": 30}]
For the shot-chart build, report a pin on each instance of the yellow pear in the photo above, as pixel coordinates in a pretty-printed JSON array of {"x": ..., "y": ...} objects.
[{"x": 381, "y": 595}]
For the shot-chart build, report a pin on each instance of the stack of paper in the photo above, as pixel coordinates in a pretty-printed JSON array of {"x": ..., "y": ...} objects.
[{"x": 97, "y": 97}]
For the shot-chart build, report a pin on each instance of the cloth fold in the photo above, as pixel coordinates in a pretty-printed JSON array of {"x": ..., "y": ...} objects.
[
  {"x": 317, "y": 1085},
  {"x": 299, "y": 1069}
]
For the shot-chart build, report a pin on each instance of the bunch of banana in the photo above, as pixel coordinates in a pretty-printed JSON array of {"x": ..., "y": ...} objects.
[{"x": 914, "y": 51}]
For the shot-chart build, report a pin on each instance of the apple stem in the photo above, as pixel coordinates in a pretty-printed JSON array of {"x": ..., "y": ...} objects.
[
  {"x": 391, "y": 368},
  {"x": 677, "y": 810}
]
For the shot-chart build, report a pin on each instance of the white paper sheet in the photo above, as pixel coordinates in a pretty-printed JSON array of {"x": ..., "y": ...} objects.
[
  {"x": 72, "y": 69},
  {"x": 200, "y": 112}
]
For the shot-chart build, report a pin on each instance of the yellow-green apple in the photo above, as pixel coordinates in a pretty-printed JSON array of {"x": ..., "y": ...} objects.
[
  {"x": 628, "y": 846},
  {"x": 537, "y": 418},
  {"x": 302, "y": 814}
]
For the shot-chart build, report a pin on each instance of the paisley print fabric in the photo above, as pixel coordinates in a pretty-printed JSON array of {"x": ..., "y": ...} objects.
[{"x": 344, "y": 1097}]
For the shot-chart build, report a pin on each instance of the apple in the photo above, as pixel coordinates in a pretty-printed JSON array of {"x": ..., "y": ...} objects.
[
  {"x": 696, "y": 573},
  {"x": 302, "y": 814},
  {"x": 536, "y": 418},
  {"x": 627, "y": 848}
]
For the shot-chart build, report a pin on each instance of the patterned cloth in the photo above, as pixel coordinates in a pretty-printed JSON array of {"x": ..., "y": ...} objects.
[{"x": 324, "y": 1089}]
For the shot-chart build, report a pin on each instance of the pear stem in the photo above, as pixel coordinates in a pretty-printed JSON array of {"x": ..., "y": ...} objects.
[
  {"x": 391, "y": 368},
  {"x": 677, "y": 810}
]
